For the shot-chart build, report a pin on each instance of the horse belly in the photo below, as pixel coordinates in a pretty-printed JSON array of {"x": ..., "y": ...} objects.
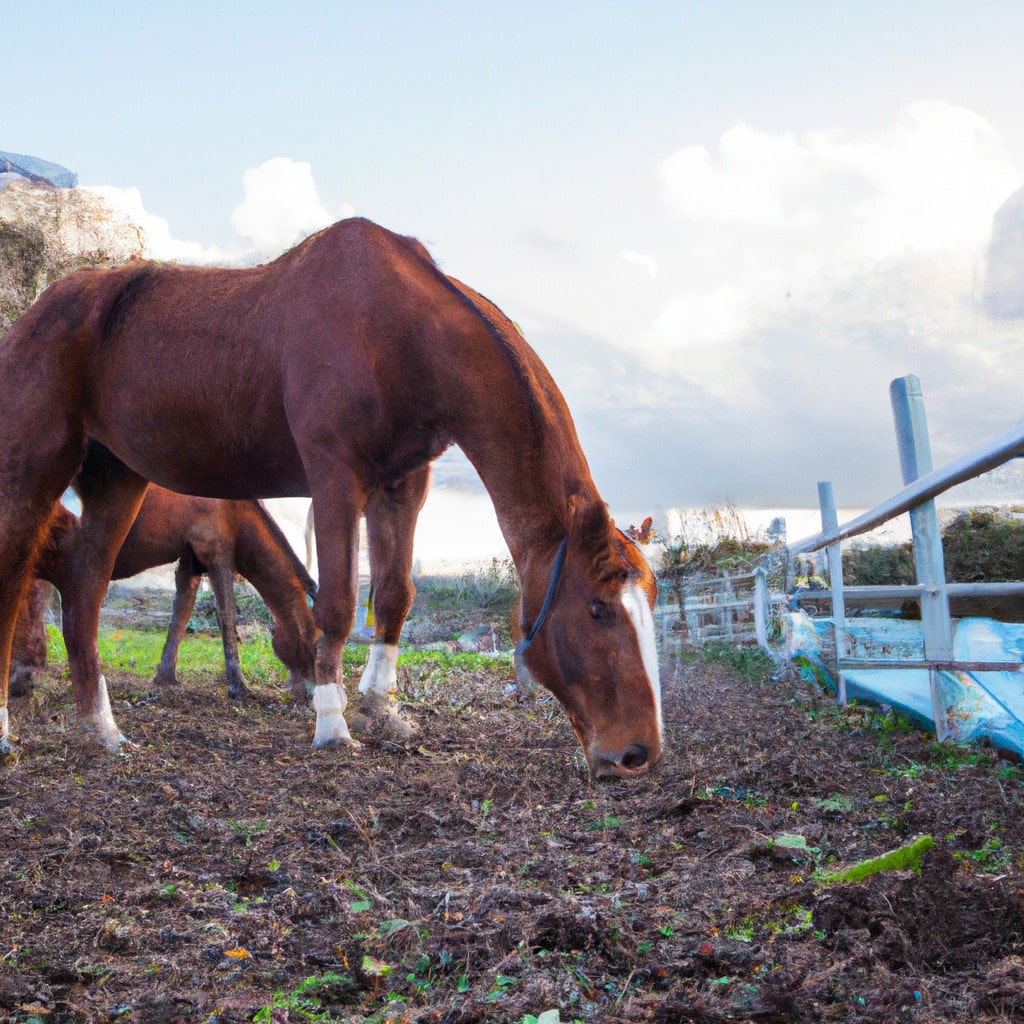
[
  {"x": 199, "y": 415},
  {"x": 204, "y": 451}
]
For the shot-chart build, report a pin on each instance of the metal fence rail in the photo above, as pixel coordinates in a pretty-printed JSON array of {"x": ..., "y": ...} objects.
[{"x": 931, "y": 590}]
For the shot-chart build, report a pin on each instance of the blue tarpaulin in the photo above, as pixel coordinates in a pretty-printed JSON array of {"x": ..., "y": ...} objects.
[{"x": 977, "y": 705}]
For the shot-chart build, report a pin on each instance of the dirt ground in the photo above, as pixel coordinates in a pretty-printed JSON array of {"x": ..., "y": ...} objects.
[{"x": 220, "y": 872}]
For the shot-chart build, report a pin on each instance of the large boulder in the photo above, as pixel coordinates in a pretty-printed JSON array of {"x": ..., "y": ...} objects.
[{"x": 47, "y": 232}]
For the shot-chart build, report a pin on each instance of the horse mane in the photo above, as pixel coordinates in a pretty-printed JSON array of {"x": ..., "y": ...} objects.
[
  {"x": 308, "y": 584},
  {"x": 485, "y": 311}
]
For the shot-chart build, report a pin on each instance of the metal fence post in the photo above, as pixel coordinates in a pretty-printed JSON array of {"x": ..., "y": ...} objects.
[
  {"x": 916, "y": 461},
  {"x": 829, "y": 521},
  {"x": 762, "y": 607}
]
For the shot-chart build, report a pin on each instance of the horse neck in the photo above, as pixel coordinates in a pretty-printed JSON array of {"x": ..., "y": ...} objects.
[
  {"x": 264, "y": 557},
  {"x": 519, "y": 435},
  {"x": 531, "y": 498}
]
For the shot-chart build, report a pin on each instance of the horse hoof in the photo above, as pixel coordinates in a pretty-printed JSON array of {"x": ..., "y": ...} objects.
[
  {"x": 239, "y": 694},
  {"x": 300, "y": 689},
  {"x": 381, "y": 722},
  {"x": 165, "y": 679},
  {"x": 22, "y": 683},
  {"x": 118, "y": 744},
  {"x": 340, "y": 742}
]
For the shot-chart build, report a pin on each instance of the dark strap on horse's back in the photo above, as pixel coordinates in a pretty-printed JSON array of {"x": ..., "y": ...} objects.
[{"x": 556, "y": 575}]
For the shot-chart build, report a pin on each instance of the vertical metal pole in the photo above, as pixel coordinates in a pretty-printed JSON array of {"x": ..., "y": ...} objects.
[
  {"x": 762, "y": 607},
  {"x": 915, "y": 461},
  {"x": 829, "y": 521}
]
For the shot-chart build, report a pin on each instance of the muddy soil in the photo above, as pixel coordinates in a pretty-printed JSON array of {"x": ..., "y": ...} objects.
[{"x": 220, "y": 872}]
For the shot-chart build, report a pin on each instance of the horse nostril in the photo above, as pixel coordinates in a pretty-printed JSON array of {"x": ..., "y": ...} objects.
[{"x": 635, "y": 757}]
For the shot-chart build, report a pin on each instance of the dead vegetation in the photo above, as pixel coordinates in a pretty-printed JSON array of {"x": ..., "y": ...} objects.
[{"x": 222, "y": 873}]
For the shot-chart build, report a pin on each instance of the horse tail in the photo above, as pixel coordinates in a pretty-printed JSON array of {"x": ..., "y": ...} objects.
[{"x": 307, "y": 581}]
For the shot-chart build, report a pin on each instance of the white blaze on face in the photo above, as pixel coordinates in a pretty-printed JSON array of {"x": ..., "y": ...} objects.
[
  {"x": 634, "y": 600},
  {"x": 380, "y": 677}
]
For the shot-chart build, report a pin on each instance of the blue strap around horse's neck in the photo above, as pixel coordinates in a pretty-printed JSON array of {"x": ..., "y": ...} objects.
[{"x": 556, "y": 575}]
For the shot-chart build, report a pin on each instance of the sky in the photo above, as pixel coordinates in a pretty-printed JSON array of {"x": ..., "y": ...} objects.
[{"x": 725, "y": 227}]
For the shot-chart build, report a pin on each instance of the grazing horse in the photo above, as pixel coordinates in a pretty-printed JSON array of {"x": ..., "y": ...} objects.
[
  {"x": 339, "y": 371},
  {"x": 206, "y": 536}
]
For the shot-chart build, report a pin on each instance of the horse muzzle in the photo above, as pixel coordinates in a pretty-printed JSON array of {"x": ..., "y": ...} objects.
[{"x": 636, "y": 759}]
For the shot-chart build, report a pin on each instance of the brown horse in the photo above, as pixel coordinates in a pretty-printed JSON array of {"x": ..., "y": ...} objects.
[
  {"x": 206, "y": 536},
  {"x": 339, "y": 371}
]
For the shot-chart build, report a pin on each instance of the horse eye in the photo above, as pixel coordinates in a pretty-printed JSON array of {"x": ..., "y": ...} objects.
[{"x": 601, "y": 612}]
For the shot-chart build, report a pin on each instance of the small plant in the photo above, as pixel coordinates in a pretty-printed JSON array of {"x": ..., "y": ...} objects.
[
  {"x": 502, "y": 983},
  {"x": 305, "y": 1000},
  {"x": 991, "y": 858}
]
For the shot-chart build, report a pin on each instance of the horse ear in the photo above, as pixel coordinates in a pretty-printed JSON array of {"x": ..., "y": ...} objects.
[
  {"x": 590, "y": 523},
  {"x": 592, "y": 528}
]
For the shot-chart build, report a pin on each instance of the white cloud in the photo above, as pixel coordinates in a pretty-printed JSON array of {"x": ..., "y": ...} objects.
[
  {"x": 642, "y": 261},
  {"x": 828, "y": 226},
  {"x": 281, "y": 205},
  {"x": 928, "y": 184},
  {"x": 160, "y": 243}
]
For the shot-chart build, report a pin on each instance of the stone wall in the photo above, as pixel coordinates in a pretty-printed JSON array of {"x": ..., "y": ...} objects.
[{"x": 47, "y": 232}]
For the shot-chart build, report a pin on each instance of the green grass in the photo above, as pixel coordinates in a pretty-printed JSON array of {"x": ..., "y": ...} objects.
[
  {"x": 749, "y": 662},
  {"x": 138, "y": 651}
]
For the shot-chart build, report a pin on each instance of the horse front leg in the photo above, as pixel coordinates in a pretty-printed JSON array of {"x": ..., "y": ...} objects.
[
  {"x": 14, "y": 588},
  {"x": 222, "y": 579},
  {"x": 28, "y": 654},
  {"x": 390, "y": 525},
  {"x": 337, "y": 504},
  {"x": 111, "y": 495},
  {"x": 186, "y": 587}
]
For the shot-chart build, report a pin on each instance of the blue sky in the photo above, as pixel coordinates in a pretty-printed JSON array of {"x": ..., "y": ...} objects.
[{"x": 725, "y": 226}]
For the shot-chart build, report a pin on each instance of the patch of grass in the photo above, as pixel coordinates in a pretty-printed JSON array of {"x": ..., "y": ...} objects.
[
  {"x": 138, "y": 651},
  {"x": 750, "y": 663},
  {"x": 878, "y": 565},
  {"x": 468, "y": 661},
  {"x": 901, "y": 859},
  {"x": 784, "y": 919},
  {"x": 991, "y": 858}
]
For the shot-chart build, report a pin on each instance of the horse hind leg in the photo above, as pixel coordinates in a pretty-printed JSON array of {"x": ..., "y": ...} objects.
[
  {"x": 111, "y": 495},
  {"x": 28, "y": 493},
  {"x": 390, "y": 523}
]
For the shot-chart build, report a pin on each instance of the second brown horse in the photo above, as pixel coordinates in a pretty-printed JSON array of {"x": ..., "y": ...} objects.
[{"x": 205, "y": 536}]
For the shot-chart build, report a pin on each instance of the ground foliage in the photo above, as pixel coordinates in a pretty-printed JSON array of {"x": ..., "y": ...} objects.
[{"x": 220, "y": 872}]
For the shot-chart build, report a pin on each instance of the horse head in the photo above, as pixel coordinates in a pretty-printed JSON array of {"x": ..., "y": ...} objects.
[{"x": 592, "y": 644}]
